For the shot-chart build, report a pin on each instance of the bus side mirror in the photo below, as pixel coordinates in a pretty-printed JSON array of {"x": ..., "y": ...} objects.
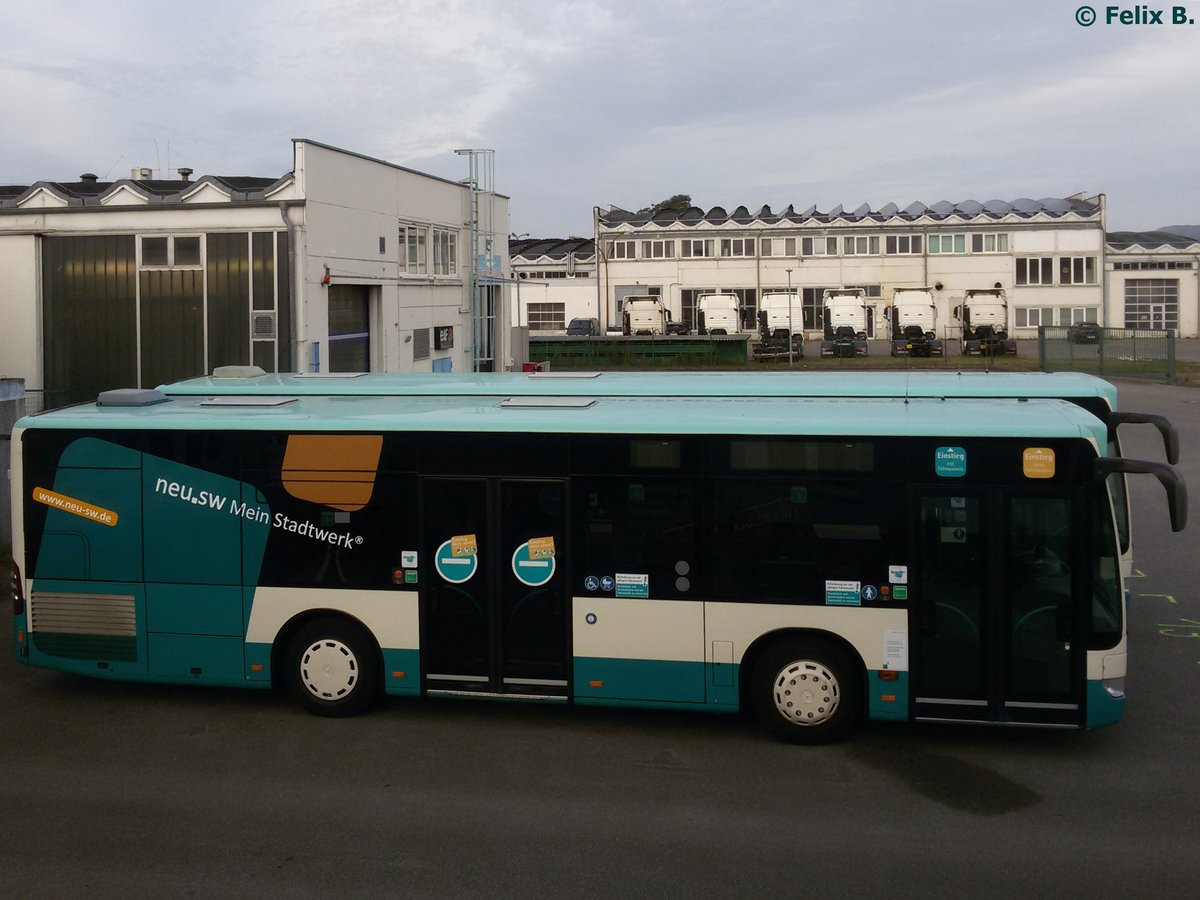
[
  {"x": 1177, "y": 504},
  {"x": 958, "y": 312},
  {"x": 1169, "y": 435}
]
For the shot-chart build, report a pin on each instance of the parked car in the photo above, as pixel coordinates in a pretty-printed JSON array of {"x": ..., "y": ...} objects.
[
  {"x": 1084, "y": 333},
  {"x": 583, "y": 327}
]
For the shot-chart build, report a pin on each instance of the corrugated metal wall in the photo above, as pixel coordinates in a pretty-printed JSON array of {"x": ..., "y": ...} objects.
[
  {"x": 89, "y": 316},
  {"x": 228, "y": 300},
  {"x": 172, "y": 317},
  {"x": 94, "y": 298}
]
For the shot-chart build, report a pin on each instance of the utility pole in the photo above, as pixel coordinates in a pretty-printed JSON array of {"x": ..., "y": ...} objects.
[{"x": 791, "y": 343}]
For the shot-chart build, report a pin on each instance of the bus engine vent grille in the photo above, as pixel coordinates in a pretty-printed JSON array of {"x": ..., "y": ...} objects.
[
  {"x": 100, "y": 628},
  {"x": 113, "y": 615}
]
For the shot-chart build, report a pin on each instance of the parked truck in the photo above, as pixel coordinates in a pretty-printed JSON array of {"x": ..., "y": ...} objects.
[
  {"x": 845, "y": 313},
  {"x": 780, "y": 316},
  {"x": 644, "y": 314},
  {"x": 984, "y": 317},
  {"x": 912, "y": 318},
  {"x": 717, "y": 314}
]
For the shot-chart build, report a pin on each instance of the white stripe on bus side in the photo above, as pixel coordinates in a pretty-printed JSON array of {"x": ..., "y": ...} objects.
[
  {"x": 391, "y": 616},
  {"x": 621, "y": 628},
  {"x": 864, "y": 628}
]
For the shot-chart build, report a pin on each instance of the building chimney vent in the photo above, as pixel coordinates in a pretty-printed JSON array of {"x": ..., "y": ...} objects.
[
  {"x": 88, "y": 178},
  {"x": 141, "y": 173},
  {"x": 185, "y": 173}
]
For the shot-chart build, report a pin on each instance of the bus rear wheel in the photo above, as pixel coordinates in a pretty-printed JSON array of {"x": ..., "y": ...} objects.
[
  {"x": 807, "y": 691},
  {"x": 333, "y": 668}
]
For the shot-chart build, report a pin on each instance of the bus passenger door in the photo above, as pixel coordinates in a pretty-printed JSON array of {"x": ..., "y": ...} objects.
[
  {"x": 994, "y": 607},
  {"x": 493, "y": 608}
]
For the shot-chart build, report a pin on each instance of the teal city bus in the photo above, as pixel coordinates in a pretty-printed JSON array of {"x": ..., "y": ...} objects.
[
  {"x": 1097, "y": 396},
  {"x": 819, "y": 561}
]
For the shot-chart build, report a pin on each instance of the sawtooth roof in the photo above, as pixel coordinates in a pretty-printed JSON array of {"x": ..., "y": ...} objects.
[
  {"x": 92, "y": 192},
  {"x": 551, "y": 248},
  {"x": 1149, "y": 240},
  {"x": 992, "y": 210}
]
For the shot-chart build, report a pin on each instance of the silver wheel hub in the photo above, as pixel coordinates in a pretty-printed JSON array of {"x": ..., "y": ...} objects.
[
  {"x": 806, "y": 692},
  {"x": 328, "y": 669}
]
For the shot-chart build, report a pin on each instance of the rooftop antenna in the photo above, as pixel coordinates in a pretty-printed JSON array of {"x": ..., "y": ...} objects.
[{"x": 113, "y": 166}]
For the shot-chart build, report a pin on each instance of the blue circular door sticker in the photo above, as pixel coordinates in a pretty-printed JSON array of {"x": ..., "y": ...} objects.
[
  {"x": 592, "y": 583},
  {"x": 870, "y": 592},
  {"x": 533, "y": 566},
  {"x": 455, "y": 565},
  {"x": 607, "y": 583}
]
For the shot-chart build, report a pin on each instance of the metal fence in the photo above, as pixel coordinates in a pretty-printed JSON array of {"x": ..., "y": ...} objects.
[
  {"x": 1122, "y": 352},
  {"x": 668, "y": 351}
]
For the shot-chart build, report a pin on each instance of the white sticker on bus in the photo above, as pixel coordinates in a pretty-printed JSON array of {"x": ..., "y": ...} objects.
[
  {"x": 637, "y": 586},
  {"x": 843, "y": 593}
]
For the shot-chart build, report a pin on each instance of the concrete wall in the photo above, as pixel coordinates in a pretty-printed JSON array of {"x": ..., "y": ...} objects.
[
  {"x": 20, "y": 312},
  {"x": 578, "y": 296},
  {"x": 12, "y": 407},
  {"x": 353, "y": 207},
  {"x": 1189, "y": 288},
  {"x": 956, "y": 272}
]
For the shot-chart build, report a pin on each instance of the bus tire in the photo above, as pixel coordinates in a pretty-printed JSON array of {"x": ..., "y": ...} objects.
[
  {"x": 333, "y": 668},
  {"x": 807, "y": 691}
]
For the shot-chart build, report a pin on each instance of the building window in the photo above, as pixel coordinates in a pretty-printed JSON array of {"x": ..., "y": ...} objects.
[
  {"x": 548, "y": 273},
  {"x": 1152, "y": 303},
  {"x": 1035, "y": 270},
  {"x": 947, "y": 243},
  {"x": 1077, "y": 270},
  {"x": 867, "y": 245},
  {"x": 658, "y": 249},
  {"x": 1153, "y": 264},
  {"x": 547, "y": 316},
  {"x": 172, "y": 251},
  {"x": 989, "y": 243},
  {"x": 812, "y": 302},
  {"x": 778, "y": 246},
  {"x": 737, "y": 246},
  {"x": 818, "y": 246},
  {"x": 694, "y": 248},
  {"x": 1073, "y": 315},
  {"x": 413, "y": 254},
  {"x": 622, "y": 249},
  {"x": 902, "y": 244},
  {"x": 870, "y": 291},
  {"x": 1032, "y": 317},
  {"x": 445, "y": 252}
]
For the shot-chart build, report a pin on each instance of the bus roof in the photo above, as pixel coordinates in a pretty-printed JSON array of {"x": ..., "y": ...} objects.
[
  {"x": 762, "y": 416},
  {"x": 676, "y": 384}
]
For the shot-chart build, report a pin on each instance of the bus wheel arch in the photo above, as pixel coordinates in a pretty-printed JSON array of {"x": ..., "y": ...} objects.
[
  {"x": 329, "y": 662},
  {"x": 805, "y": 686}
]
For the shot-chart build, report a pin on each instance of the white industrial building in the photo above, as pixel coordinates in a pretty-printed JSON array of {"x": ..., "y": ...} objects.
[
  {"x": 344, "y": 264},
  {"x": 1052, "y": 258}
]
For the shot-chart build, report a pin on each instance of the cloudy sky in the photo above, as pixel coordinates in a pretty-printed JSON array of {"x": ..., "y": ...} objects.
[{"x": 625, "y": 102}]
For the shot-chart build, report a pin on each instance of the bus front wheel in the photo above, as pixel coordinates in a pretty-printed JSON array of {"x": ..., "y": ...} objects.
[
  {"x": 333, "y": 668},
  {"x": 807, "y": 691}
]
